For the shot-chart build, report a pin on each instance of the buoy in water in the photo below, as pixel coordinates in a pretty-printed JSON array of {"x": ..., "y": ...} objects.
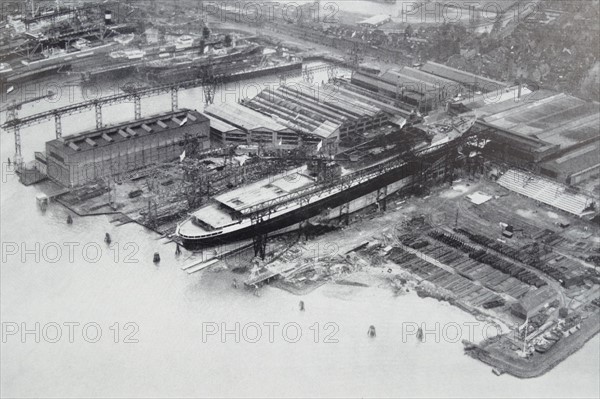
[
  {"x": 107, "y": 238},
  {"x": 69, "y": 219},
  {"x": 372, "y": 332},
  {"x": 302, "y": 306},
  {"x": 156, "y": 258}
]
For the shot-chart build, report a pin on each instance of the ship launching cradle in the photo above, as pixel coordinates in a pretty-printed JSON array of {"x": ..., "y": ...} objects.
[{"x": 282, "y": 202}]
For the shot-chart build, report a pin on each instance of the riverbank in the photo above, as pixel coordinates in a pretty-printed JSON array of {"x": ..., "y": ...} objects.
[
  {"x": 169, "y": 307},
  {"x": 491, "y": 352}
]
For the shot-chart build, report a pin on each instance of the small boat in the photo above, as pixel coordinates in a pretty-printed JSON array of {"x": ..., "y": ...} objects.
[
  {"x": 497, "y": 371},
  {"x": 10, "y": 89}
]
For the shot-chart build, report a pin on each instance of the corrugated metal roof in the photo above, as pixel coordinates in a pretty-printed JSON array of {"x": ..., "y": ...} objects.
[
  {"x": 374, "y": 81},
  {"x": 317, "y": 110},
  {"x": 223, "y": 127},
  {"x": 460, "y": 76},
  {"x": 535, "y": 300},
  {"x": 577, "y": 160},
  {"x": 326, "y": 129},
  {"x": 243, "y": 117}
]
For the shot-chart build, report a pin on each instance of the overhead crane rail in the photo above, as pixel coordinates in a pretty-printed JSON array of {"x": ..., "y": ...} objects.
[
  {"x": 114, "y": 99},
  {"x": 87, "y": 105},
  {"x": 14, "y": 123}
]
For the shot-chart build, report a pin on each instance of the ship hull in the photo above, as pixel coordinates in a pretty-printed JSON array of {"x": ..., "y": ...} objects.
[
  {"x": 304, "y": 213},
  {"x": 29, "y": 75},
  {"x": 226, "y": 74}
]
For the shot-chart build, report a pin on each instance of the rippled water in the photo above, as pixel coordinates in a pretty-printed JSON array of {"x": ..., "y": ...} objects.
[{"x": 170, "y": 307}]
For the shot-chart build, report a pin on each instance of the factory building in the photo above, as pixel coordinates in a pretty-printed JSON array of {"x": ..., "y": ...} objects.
[
  {"x": 533, "y": 302},
  {"x": 237, "y": 124},
  {"x": 416, "y": 88},
  {"x": 223, "y": 133},
  {"x": 535, "y": 126},
  {"x": 575, "y": 166},
  {"x": 328, "y": 112},
  {"x": 82, "y": 158},
  {"x": 470, "y": 80}
]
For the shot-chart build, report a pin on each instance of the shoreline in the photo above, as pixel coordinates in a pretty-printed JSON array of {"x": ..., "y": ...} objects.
[
  {"x": 541, "y": 363},
  {"x": 488, "y": 352}
]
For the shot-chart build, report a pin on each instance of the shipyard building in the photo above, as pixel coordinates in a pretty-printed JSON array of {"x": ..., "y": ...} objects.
[
  {"x": 550, "y": 139},
  {"x": 574, "y": 166},
  {"x": 234, "y": 124},
  {"x": 411, "y": 86},
  {"x": 327, "y": 113},
  {"x": 426, "y": 88},
  {"x": 537, "y": 126},
  {"x": 84, "y": 157},
  {"x": 533, "y": 302}
]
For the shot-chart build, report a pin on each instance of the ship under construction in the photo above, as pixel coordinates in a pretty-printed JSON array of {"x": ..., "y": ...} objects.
[{"x": 317, "y": 192}]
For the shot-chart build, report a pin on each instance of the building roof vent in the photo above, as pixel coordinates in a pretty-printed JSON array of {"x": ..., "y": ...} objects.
[{"x": 74, "y": 146}]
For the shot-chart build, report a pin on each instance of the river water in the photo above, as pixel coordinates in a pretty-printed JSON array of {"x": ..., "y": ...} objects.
[{"x": 166, "y": 350}]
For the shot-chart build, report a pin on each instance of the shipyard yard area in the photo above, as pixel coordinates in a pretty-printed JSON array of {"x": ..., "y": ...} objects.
[
  {"x": 423, "y": 243},
  {"x": 255, "y": 159}
]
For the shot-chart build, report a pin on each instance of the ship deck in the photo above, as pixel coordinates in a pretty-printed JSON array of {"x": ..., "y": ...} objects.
[
  {"x": 265, "y": 190},
  {"x": 212, "y": 215}
]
